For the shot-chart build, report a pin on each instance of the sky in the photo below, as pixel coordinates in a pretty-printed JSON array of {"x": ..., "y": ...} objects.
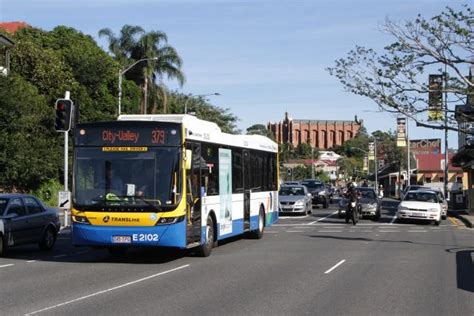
[{"x": 264, "y": 57}]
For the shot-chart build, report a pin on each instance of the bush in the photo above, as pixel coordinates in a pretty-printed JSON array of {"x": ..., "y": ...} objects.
[{"x": 48, "y": 192}]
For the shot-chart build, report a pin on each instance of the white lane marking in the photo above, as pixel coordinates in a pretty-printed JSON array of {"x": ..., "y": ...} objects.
[
  {"x": 7, "y": 265},
  {"x": 337, "y": 265},
  {"x": 271, "y": 232},
  {"x": 108, "y": 290},
  {"x": 335, "y": 212},
  {"x": 329, "y": 231},
  {"x": 59, "y": 256},
  {"x": 417, "y": 231},
  {"x": 299, "y": 217},
  {"x": 389, "y": 231},
  {"x": 31, "y": 261},
  {"x": 295, "y": 231}
]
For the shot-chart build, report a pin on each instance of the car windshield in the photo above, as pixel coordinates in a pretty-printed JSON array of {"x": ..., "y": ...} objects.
[
  {"x": 3, "y": 205},
  {"x": 313, "y": 184},
  {"x": 368, "y": 194},
  {"x": 421, "y": 196},
  {"x": 124, "y": 180},
  {"x": 285, "y": 191}
]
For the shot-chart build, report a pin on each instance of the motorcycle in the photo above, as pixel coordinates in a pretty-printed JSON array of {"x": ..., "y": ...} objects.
[{"x": 353, "y": 210}]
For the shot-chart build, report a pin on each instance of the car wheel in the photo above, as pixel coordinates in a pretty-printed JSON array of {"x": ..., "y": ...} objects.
[
  {"x": 3, "y": 246},
  {"x": 48, "y": 240},
  {"x": 205, "y": 249},
  {"x": 340, "y": 215},
  {"x": 436, "y": 223},
  {"x": 325, "y": 203},
  {"x": 443, "y": 217}
]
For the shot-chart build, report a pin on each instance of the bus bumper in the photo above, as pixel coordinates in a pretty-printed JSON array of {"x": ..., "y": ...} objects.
[{"x": 168, "y": 235}]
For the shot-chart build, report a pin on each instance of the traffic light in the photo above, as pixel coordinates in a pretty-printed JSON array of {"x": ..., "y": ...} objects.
[{"x": 64, "y": 109}]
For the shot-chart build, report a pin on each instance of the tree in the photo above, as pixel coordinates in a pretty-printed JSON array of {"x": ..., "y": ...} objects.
[
  {"x": 203, "y": 110},
  {"x": 396, "y": 80},
  {"x": 134, "y": 44}
]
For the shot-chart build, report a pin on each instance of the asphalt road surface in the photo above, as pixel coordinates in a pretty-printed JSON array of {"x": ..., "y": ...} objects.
[{"x": 308, "y": 265}]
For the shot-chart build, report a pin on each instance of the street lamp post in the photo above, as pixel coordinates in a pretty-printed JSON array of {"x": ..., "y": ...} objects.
[
  {"x": 121, "y": 73},
  {"x": 199, "y": 95}
]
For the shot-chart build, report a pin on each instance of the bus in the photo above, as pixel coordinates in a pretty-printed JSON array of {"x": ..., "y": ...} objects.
[{"x": 170, "y": 181}]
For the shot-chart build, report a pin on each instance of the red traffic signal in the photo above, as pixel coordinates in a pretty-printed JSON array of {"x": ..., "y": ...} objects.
[{"x": 64, "y": 108}]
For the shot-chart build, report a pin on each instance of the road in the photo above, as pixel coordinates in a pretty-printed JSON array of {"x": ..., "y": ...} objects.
[{"x": 309, "y": 265}]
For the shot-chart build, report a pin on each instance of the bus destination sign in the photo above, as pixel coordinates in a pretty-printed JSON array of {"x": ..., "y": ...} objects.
[{"x": 128, "y": 135}]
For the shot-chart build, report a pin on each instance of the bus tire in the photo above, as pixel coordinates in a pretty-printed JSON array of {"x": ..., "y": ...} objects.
[
  {"x": 258, "y": 234},
  {"x": 205, "y": 249}
]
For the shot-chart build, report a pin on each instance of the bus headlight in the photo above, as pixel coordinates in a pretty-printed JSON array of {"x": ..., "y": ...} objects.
[
  {"x": 169, "y": 220},
  {"x": 80, "y": 219}
]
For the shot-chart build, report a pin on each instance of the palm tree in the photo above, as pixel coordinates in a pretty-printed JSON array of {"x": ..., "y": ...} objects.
[{"x": 135, "y": 44}]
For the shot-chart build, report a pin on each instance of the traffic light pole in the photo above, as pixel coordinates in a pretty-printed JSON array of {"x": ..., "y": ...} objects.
[{"x": 67, "y": 96}]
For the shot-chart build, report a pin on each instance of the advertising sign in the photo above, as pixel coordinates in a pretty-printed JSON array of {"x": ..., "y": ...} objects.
[
  {"x": 371, "y": 155},
  {"x": 401, "y": 132},
  {"x": 425, "y": 146},
  {"x": 435, "y": 98},
  {"x": 225, "y": 190}
]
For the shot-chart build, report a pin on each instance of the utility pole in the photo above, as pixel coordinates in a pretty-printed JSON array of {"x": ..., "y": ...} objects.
[
  {"x": 446, "y": 159},
  {"x": 408, "y": 154},
  {"x": 312, "y": 162},
  {"x": 376, "y": 165},
  {"x": 67, "y": 96}
]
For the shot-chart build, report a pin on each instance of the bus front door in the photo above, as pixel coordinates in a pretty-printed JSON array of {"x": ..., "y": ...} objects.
[
  {"x": 247, "y": 189},
  {"x": 193, "y": 195}
]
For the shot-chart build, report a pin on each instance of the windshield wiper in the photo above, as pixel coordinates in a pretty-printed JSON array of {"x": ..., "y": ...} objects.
[{"x": 149, "y": 203}]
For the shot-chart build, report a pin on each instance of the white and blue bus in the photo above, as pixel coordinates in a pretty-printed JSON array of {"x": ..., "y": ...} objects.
[{"x": 170, "y": 181}]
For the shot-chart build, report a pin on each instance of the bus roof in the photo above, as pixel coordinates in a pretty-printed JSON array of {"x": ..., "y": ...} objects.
[{"x": 201, "y": 130}]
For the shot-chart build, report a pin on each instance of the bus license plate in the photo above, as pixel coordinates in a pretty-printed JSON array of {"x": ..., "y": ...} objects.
[{"x": 122, "y": 239}]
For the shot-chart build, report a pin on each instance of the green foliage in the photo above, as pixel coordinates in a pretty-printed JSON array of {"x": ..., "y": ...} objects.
[
  {"x": 302, "y": 151},
  {"x": 27, "y": 139},
  {"x": 203, "y": 110},
  {"x": 48, "y": 192}
]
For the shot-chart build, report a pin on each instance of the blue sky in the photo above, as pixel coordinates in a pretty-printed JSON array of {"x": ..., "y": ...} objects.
[{"x": 264, "y": 57}]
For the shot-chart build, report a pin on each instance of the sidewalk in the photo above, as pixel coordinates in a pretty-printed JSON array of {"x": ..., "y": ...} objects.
[{"x": 463, "y": 216}]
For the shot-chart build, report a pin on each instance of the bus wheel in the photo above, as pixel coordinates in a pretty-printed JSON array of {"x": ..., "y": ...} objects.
[
  {"x": 206, "y": 248},
  {"x": 258, "y": 234}
]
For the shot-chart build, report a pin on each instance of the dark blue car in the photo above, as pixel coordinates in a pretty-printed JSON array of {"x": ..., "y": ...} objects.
[{"x": 25, "y": 220}]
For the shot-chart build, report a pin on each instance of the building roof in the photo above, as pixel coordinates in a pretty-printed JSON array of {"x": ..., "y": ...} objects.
[
  {"x": 432, "y": 162},
  {"x": 12, "y": 27},
  {"x": 322, "y": 121}
]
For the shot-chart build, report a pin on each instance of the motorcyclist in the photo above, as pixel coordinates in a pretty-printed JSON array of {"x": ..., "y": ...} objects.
[{"x": 353, "y": 195}]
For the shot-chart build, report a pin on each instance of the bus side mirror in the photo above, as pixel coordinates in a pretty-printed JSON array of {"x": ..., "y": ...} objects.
[{"x": 189, "y": 158}]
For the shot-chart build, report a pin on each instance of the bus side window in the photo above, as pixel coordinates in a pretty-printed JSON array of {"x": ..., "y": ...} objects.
[{"x": 210, "y": 169}]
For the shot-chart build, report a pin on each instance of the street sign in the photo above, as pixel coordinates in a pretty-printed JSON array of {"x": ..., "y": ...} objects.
[{"x": 64, "y": 199}]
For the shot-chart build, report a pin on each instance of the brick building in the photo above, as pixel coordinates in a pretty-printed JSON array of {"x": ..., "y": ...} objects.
[{"x": 321, "y": 134}]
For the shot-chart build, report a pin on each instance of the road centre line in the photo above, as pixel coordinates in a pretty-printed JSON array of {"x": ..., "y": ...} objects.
[
  {"x": 7, "y": 265},
  {"x": 335, "y": 212},
  {"x": 295, "y": 231},
  {"x": 334, "y": 267},
  {"x": 107, "y": 290}
]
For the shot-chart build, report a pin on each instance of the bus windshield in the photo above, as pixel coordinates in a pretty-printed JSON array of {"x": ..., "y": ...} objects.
[{"x": 128, "y": 181}]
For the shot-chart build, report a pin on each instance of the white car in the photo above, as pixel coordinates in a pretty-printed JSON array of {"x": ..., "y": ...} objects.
[{"x": 421, "y": 205}]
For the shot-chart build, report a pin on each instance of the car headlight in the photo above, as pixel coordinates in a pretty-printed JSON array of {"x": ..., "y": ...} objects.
[
  {"x": 322, "y": 192},
  {"x": 299, "y": 203},
  {"x": 402, "y": 208},
  {"x": 433, "y": 209}
]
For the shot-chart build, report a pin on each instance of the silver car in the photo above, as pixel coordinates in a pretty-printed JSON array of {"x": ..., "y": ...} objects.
[
  {"x": 369, "y": 201},
  {"x": 24, "y": 220},
  {"x": 294, "y": 199}
]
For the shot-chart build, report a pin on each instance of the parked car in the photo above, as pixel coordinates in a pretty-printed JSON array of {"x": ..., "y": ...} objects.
[
  {"x": 294, "y": 199},
  {"x": 24, "y": 219},
  {"x": 421, "y": 205},
  {"x": 318, "y": 191},
  {"x": 369, "y": 201}
]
